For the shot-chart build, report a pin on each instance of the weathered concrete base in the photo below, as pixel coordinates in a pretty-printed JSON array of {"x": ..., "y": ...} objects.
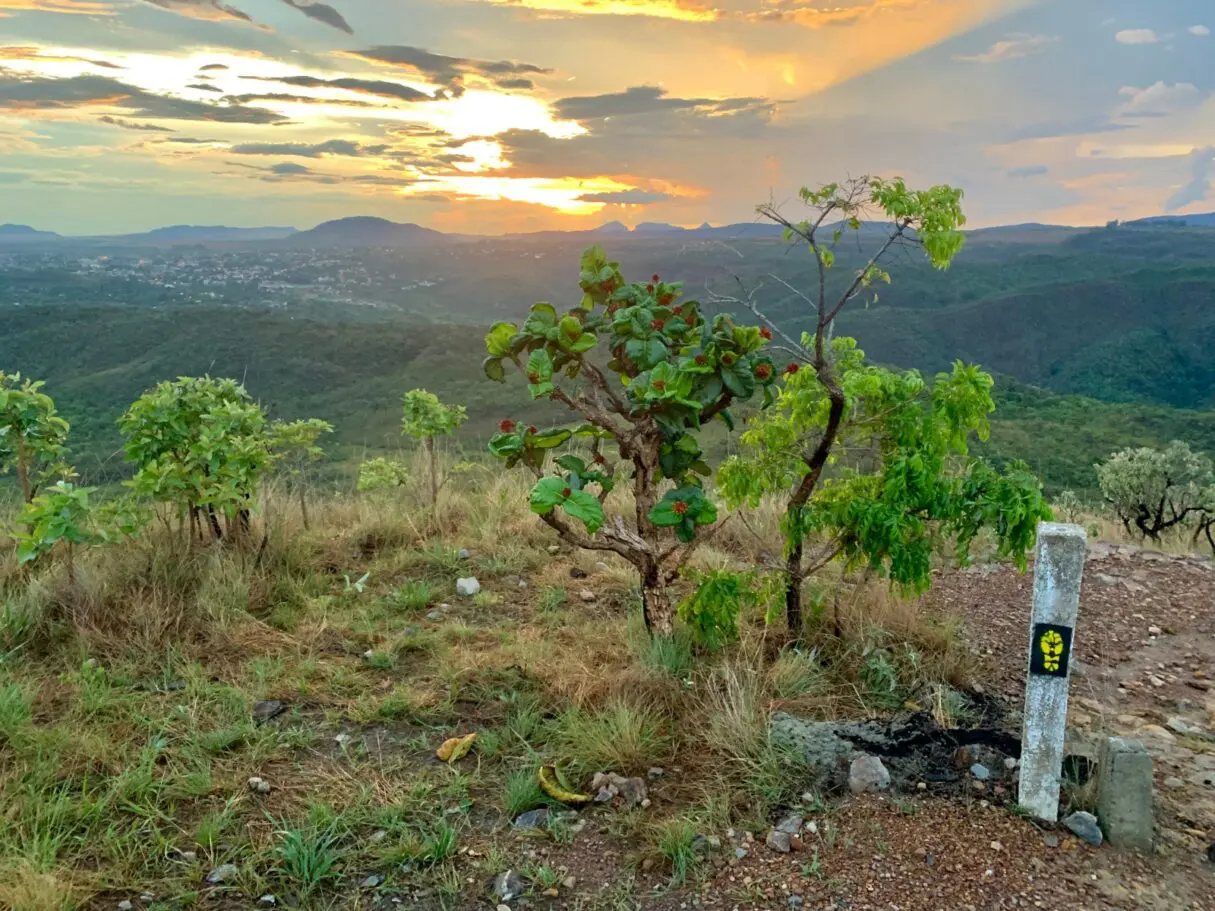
[{"x": 1124, "y": 793}]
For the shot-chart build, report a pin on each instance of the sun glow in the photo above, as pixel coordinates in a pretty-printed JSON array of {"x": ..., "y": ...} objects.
[{"x": 564, "y": 194}]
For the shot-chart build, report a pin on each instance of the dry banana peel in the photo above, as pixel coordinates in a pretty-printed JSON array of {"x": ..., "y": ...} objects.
[
  {"x": 455, "y": 748},
  {"x": 550, "y": 784}
]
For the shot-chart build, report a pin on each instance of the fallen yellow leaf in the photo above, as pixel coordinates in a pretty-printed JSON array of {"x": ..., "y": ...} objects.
[{"x": 455, "y": 748}]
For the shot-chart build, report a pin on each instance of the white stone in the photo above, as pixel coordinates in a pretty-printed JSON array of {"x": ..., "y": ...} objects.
[
  {"x": 467, "y": 587},
  {"x": 587, "y": 595},
  {"x": 1058, "y": 570}
]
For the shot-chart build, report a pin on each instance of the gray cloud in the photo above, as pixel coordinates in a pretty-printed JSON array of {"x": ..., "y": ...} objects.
[
  {"x": 443, "y": 69},
  {"x": 1013, "y": 47},
  {"x": 203, "y": 87},
  {"x": 1202, "y": 164},
  {"x": 322, "y": 12},
  {"x": 364, "y": 86},
  {"x": 288, "y": 167},
  {"x": 212, "y": 67},
  {"x": 131, "y": 125},
  {"x": 517, "y": 83},
  {"x": 644, "y": 99},
  {"x": 633, "y": 197},
  {"x": 295, "y": 99},
  {"x": 41, "y": 93},
  {"x": 1056, "y": 129},
  {"x": 1033, "y": 170},
  {"x": 344, "y": 147},
  {"x": 217, "y": 10}
]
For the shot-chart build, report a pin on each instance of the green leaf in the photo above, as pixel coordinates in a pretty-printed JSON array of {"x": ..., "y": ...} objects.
[
  {"x": 503, "y": 445},
  {"x": 548, "y": 494},
  {"x": 585, "y": 508},
  {"x": 499, "y": 340},
  {"x": 572, "y": 464},
  {"x": 493, "y": 369},
  {"x": 548, "y": 439}
]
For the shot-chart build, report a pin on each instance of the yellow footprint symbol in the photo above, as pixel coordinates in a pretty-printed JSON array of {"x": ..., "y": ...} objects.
[{"x": 1051, "y": 644}]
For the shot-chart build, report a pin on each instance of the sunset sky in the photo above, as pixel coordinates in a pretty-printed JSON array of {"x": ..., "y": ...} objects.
[{"x": 504, "y": 115}]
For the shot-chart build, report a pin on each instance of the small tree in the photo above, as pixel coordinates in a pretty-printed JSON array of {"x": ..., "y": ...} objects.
[
  {"x": 295, "y": 448},
  {"x": 929, "y": 220},
  {"x": 381, "y": 474},
  {"x": 668, "y": 372},
  {"x": 1155, "y": 490},
  {"x": 33, "y": 438},
  {"x": 424, "y": 419},
  {"x": 200, "y": 444},
  {"x": 58, "y": 517},
  {"x": 902, "y": 485}
]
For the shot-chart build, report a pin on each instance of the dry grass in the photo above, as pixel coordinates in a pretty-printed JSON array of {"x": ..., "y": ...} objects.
[{"x": 141, "y": 676}]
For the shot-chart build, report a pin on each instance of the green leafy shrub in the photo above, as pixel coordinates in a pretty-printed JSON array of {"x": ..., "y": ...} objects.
[
  {"x": 901, "y": 483},
  {"x": 201, "y": 445},
  {"x": 424, "y": 419},
  {"x": 59, "y": 517},
  {"x": 669, "y": 372},
  {"x": 381, "y": 474},
  {"x": 1154, "y": 490},
  {"x": 294, "y": 446},
  {"x": 33, "y": 438},
  {"x": 711, "y": 612}
]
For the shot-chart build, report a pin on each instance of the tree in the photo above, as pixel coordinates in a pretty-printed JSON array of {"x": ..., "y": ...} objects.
[
  {"x": 33, "y": 438},
  {"x": 59, "y": 516},
  {"x": 667, "y": 372},
  {"x": 929, "y": 220},
  {"x": 294, "y": 447},
  {"x": 381, "y": 474},
  {"x": 901, "y": 485},
  {"x": 200, "y": 444},
  {"x": 1155, "y": 490},
  {"x": 424, "y": 419}
]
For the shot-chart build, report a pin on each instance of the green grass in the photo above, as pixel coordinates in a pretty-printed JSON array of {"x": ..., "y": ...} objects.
[
  {"x": 622, "y": 736},
  {"x": 553, "y": 598},
  {"x": 414, "y": 595},
  {"x": 676, "y": 841},
  {"x": 308, "y": 859},
  {"x": 522, "y": 792}
]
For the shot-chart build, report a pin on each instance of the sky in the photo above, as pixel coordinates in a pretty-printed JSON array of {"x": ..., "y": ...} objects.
[{"x": 491, "y": 116}]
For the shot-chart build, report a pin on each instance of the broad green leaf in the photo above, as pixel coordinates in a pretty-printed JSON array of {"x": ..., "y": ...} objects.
[
  {"x": 547, "y": 494},
  {"x": 585, "y": 508}
]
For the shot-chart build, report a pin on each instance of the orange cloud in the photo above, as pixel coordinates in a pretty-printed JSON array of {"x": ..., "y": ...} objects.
[
  {"x": 681, "y": 10},
  {"x": 90, "y": 7}
]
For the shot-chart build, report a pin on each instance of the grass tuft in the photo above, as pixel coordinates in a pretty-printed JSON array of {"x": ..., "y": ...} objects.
[{"x": 622, "y": 737}]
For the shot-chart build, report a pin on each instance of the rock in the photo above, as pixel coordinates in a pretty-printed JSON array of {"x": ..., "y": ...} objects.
[
  {"x": 1178, "y": 726},
  {"x": 550, "y": 893},
  {"x": 266, "y": 709},
  {"x": 779, "y": 841},
  {"x": 980, "y": 772},
  {"x": 1051, "y": 841},
  {"x": 508, "y": 885},
  {"x": 577, "y": 573},
  {"x": 467, "y": 586},
  {"x": 188, "y": 857},
  {"x": 604, "y": 795},
  {"x": 532, "y": 819},
  {"x": 867, "y": 774},
  {"x": 1174, "y": 782},
  {"x": 790, "y": 824},
  {"x": 648, "y": 864},
  {"x": 223, "y": 874},
  {"x": 147, "y": 897},
  {"x": 569, "y": 882},
  {"x": 740, "y": 853},
  {"x": 435, "y": 615},
  {"x": 342, "y": 739},
  {"x": 1010, "y": 763},
  {"x": 554, "y": 549},
  {"x": 268, "y": 900},
  {"x": 714, "y": 842},
  {"x": 795, "y": 901},
  {"x": 655, "y": 772},
  {"x": 377, "y": 836},
  {"x": 812, "y": 827},
  {"x": 463, "y": 553},
  {"x": 816, "y": 743},
  {"x": 699, "y": 844},
  {"x": 1084, "y": 826},
  {"x": 601, "y": 566},
  {"x": 125, "y": 905},
  {"x": 1155, "y": 631},
  {"x": 259, "y": 785},
  {"x": 371, "y": 881},
  {"x": 587, "y": 596},
  {"x": 1155, "y": 730}
]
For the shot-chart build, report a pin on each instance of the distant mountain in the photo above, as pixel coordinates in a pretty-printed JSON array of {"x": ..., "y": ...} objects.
[
  {"x": 657, "y": 227},
  {"x": 198, "y": 234},
  {"x": 24, "y": 233},
  {"x": 1202, "y": 220},
  {"x": 367, "y": 231}
]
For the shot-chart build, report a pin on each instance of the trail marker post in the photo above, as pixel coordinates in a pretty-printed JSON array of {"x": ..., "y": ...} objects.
[{"x": 1058, "y": 570}]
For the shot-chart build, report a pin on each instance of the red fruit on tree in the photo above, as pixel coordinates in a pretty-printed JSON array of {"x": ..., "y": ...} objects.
[
  {"x": 507, "y": 426},
  {"x": 680, "y": 507},
  {"x": 657, "y": 323},
  {"x": 566, "y": 493},
  {"x": 792, "y": 368},
  {"x": 532, "y": 428},
  {"x": 766, "y": 333}
]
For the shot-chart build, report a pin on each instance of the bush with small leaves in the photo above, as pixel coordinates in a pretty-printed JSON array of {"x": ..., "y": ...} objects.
[
  {"x": 424, "y": 419},
  {"x": 381, "y": 474},
  {"x": 33, "y": 437},
  {"x": 1155, "y": 490},
  {"x": 888, "y": 511},
  {"x": 294, "y": 447},
  {"x": 669, "y": 372},
  {"x": 60, "y": 517}
]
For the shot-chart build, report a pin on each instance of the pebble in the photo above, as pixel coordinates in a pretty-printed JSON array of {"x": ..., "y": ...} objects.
[
  {"x": 740, "y": 853},
  {"x": 1084, "y": 826},
  {"x": 1051, "y": 841},
  {"x": 980, "y": 772},
  {"x": 1010, "y": 763},
  {"x": 656, "y": 772},
  {"x": 577, "y": 573},
  {"x": 1155, "y": 631},
  {"x": 266, "y": 709},
  {"x": 222, "y": 873},
  {"x": 812, "y": 827},
  {"x": 790, "y": 825},
  {"x": 371, "y": 881},
  {"x": 463, "y": 553},
  {"x": 467, "y": 586},
  {"x": 1173, "y": 782},
  {"x": 601, "y": 566},
  {"x": 569, "y": 882},
  {"x": 779, "y": 841},
  {"x": 507, "y": 885},
  {"x": 587, "y": 596},
  {"x": 795, "y": 901},
  {"x": 125, "y": 905},
  {"x": 259, "y": 785},
  {"x": 147, "y": 897},
  {"x": 532, "y": 819},
  {"x": 550, "y": 893},
  {"x": 866, "y": 774},
  {"x": 377, "y": 836},
  {"x": 554, "y": 548},
  {"x": 267, "y": 899}
]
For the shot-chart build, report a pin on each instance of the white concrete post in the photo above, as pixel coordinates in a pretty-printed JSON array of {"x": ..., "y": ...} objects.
[{"x": 1058, "y": 569}]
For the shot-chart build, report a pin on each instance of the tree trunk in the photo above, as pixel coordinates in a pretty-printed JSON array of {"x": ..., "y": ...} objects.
[
  {"x": 216, "y": 532},
  {"x": 304, "y": 508},
  {"x": 656, "y": 603},
  {"x": 434, "y": 472},
  {"x": 793, "y": 589}
]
